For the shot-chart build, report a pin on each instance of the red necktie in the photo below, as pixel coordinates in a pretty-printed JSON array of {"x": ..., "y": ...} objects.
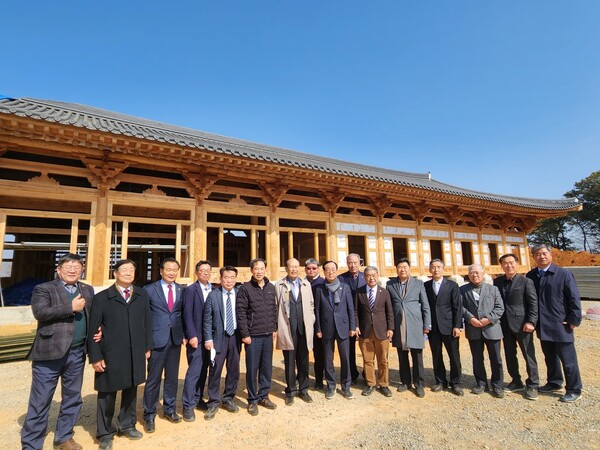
[{"x": 170, "y": 301}]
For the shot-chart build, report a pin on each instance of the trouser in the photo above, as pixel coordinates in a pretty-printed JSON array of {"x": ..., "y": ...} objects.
[
  {"x": 418, "y": 371},
  {"x": 229, "y": 354},
  {"x": 296, "y": 365},
  {"x": 259, "y": 367},
  {"x": 162, "y": 359},
  {"x": 557, "y": 353},
  {"x": 192, "y": 391},
  {"x": 372, "y": 348},
  {"x": 105, "y": 411},
  {"x": 525, "y": 343},
  {"x": 45, "y": 375},
  {"x": 436, "y": 342},
  {"x": 328, "y": 349},
  {"x": 319, "y": 365},
  {"x": 493, "y": 348}
]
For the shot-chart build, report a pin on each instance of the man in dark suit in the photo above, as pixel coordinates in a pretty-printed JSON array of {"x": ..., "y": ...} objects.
[
  {"x": 375, "y": 329},
  {"x": 483, "y": 309},
  {"x": 167, "y": 335},
  {"x": 559, "y": 315},
  {"x": 194, "y": 297},
  {"x": 446, "y": 322},
  {"x": 412, "y": 319},
  {"x": 256, "y": 314},
  {"x": 355, "y": 279},
  {"x": 223, "y": 340},
  {"x": 311, "y": 268},
  {"x": 518, "y": 322},
  {"x": 61, "y": 308},
  {"x": 335, "y": 322},
  {"x": 119, "y": 360}
]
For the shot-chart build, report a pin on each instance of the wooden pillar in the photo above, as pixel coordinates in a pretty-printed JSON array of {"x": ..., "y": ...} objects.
[
  {"x": 221, "y": 247},
  {"x": 453, "y": 251},
  {"x": 331, "y": 239},
  {"x": 74, "y": 235},
  {"x": 272, "y": 255},
  {"x": 125, "y": 239},
  {"x": 199, "y": 245},
  {"x": 315, "y": 247},
  {"x": 99, "y": 249},
  {"x": 290, "y": 246}
]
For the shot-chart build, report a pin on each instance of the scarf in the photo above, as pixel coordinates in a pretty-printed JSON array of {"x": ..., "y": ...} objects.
[{"x": 333, "y": 288}]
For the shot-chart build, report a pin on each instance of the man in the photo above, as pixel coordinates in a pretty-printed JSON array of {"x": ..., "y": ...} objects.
[
  {"x": 355, "y": 279},
  {"x": 295, "y": 328},
  {"x": 119, "y": 361},
  {"x": 223, "y": 340},
  {"x": 412, "y": 319},
  {"x": 334, "y": 309},
  {"x": 375, "y": 329},
  {"x": 193, "y": 299},
  {"x": 256, "y": 311},
  {"x": 311, "y": 268},
  {"x": 483, "y": 309},
  {"x": 559, "y": 314},
  {"x": 518, "y": 322},
  {"x": 167, "y": 337},
  {"x": 61, "y": 308},
  {"x": 446, "y": 322}
]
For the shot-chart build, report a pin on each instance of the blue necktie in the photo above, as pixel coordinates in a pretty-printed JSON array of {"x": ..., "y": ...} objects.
[
  {"x": 229, "y": 327},
  {"x": 371, "y": 299}
]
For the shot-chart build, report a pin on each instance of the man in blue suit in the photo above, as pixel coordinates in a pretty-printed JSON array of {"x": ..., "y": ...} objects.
[
  {"x": 355, "y": 279},
  {"x": 223, "y": 339},
  {"x": 335, "y": 321},
  {"x": 167, "y": 336},
  {"x": 194, "y": 297},
  {"x": 559, "y": 314}
]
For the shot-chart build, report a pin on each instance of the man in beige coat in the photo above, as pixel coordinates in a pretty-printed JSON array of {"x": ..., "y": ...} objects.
[{"x": 296, "y": 319}]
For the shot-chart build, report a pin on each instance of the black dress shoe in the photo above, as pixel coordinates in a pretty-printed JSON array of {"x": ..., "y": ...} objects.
[
  {"x": 202, "y": 405},
  {"x": 173, "y": 417},
  {"x": 402, "y": 387},
  {"x": 457, "y": 390},
  {"x": 131, "y": 433},
  {"x": 385, "y": 391},
  {"x": 210, "y": 412},
  {"x": 347, "y": 394},
  {"x": 437, "y": 387},
  {"x": 330, "y": 394},
  {"x": 229, "y": 406},
  {"x": 306, "y": 397},
  {"x": 548, "y": 388},
  {"x": 319, "y": 386},
  {"x": 253, "y": 409},
  {"x": 498, "y": 392},
  {"x": 266, "y": 403},
  {"x": 478, "y": 390},
  {"x": 289, "y": 400},
  {"x": 514, "y": 386},
  {"x": 368, "y": 391},
  {"x": 188, "y": 415},
  {"x": 419, "y": 391},
  {"x": 105, "y": 444},
  {"x": 149, "y": 426},
  {"x": 570, "y": 397}
]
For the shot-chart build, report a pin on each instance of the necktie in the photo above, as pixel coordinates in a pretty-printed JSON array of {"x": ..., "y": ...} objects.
[
  {"x": 540, "y": 273},
  {"x": 170, "y": 301},
  {"x": 295, "y": 290},
  {"x": 436, "y": 287},
  {"x": 126, "y": 295},
  {"x": 70, "y": 288},
  {"x": 371, "y": 299},
  {"x": 229, "y": 327}
]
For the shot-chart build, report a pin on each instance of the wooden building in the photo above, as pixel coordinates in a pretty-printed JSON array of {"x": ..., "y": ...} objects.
[{"x": 109, "y": 186}]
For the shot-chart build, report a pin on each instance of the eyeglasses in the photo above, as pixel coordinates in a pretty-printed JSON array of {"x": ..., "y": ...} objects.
[{"x": 312, "y": 268}]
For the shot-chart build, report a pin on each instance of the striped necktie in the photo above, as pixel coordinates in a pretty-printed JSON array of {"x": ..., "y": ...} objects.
[{"x": 371, "y": 299}]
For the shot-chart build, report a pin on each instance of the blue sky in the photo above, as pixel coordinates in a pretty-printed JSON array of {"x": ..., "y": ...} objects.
[{"x": 494, "y": 96}]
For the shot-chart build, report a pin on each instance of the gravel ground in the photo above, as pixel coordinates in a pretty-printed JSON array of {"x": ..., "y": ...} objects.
[{"x": 440, "y": 420}]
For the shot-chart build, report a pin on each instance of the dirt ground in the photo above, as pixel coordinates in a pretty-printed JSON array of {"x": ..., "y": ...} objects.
[{"x": 440, "y": 420}]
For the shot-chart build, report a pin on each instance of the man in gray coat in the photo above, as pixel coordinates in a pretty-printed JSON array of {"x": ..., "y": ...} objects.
[
  {"x": 483, "y": 308},
  {"x": 295, "y": 328},
  {"x": 412, "y": 319}
]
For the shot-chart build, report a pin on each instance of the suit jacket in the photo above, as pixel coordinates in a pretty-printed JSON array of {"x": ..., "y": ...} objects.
[
  {"x": 446, "y": 307},
  {"x": 380, "y": 319},
  {"x": 193, "y": 311},
  {"x": 354, "y": 285},
  {"x": 490, "y": 305},
  {"x": 214, "y": 318},
  {"x": 126, "y": 337},
  {"x": 521, "y": 304},
  {"x": 415, "y": 309},
  {"x": 284, "y": 333},
  {"x": 53, "y": 310},
  {"x": 167, "y": 327},
  {"x": 332, "y": 318},
  {"x": 558, "y": 301}
]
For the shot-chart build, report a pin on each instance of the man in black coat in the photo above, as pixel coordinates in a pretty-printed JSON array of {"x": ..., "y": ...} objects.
[
  {"x": 445, "y": 304},
  {"x": 518, "y": 322},
  {"x": 119, "y": 359}
]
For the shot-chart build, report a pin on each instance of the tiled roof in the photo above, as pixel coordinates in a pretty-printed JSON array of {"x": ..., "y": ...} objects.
[{"x": 120, "y": 124}]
